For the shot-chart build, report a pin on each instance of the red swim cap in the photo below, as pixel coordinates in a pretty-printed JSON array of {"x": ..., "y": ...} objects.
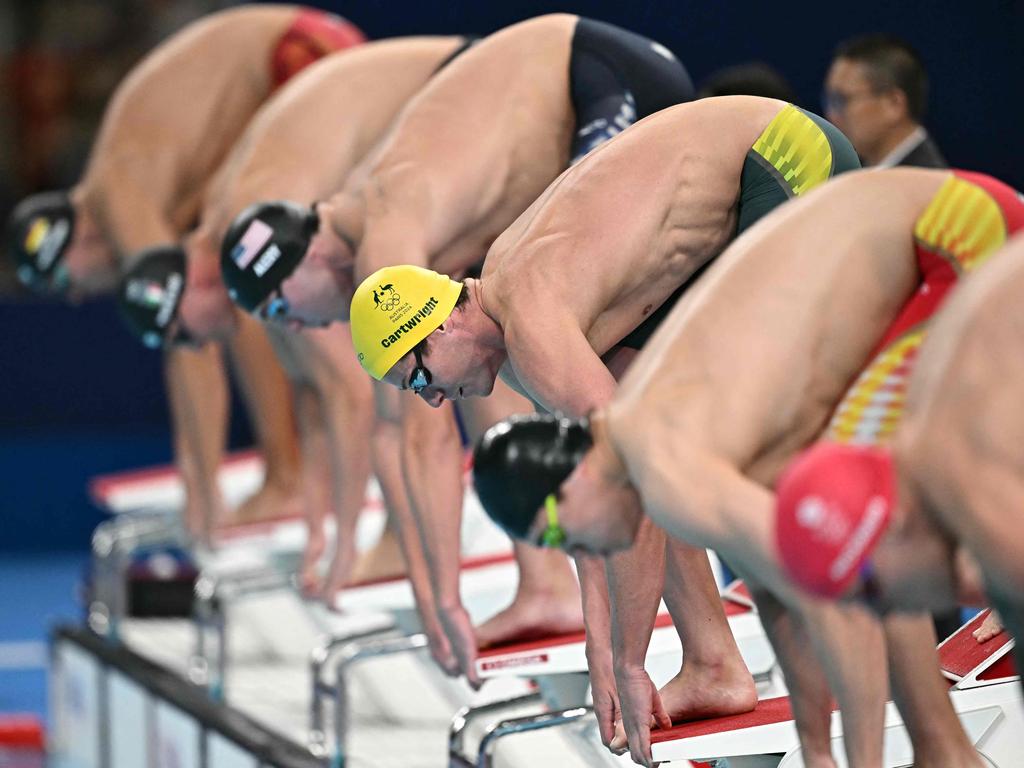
[{"x": 833, "y": 505}]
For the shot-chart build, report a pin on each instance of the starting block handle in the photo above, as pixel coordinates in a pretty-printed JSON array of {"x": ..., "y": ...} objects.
[
  {"x": 466, "y": 715},
  {"x": 522, "y": 725},
  {"x": 351, "y": 654}
]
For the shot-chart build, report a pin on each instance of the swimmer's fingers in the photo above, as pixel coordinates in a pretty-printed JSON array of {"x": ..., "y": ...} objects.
[
  {"x": 990, "y": 627},
  {"x": 462, "y": 637},
  {"x": 606, "y": 707},
  {"x": 619, "y": 743}
]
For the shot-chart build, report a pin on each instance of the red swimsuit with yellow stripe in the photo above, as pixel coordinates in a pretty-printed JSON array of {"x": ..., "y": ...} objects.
[{"x": 970, "y": 218}]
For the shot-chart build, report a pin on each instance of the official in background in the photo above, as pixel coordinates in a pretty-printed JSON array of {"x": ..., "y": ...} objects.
[{"x": 876, "y": 92}]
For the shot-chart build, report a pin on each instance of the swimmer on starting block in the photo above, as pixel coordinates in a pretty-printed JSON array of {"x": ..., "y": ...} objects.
[
  {"x": 567, "y": 296},
  {"x": 928, "y": 523},
  {"x": 744, "y": 373},
  {"x": 164, "y": 133},
  {"x": 284, "y": 154},
  {"x": 461, "y": 162}
]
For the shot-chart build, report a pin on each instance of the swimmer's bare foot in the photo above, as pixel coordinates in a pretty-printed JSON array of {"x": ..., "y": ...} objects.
[
  {"x": 702, "y": 691},
  {"x": 271, "y": 502},
  {"x": 547, "y": 601},
  {"x": 533, "y": 614},
  {"x": 990, "y": 627},
  {"x": 383, "y": 561}
]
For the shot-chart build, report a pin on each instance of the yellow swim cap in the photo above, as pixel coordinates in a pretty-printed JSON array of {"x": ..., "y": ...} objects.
[{"x": 394, "y": 309}]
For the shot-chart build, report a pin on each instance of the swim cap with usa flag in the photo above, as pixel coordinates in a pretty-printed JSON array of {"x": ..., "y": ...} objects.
[
  {"x": 262, "y": 247},
  {"x": 833, "y": 504},
  {"x": 394, "y": 309}
]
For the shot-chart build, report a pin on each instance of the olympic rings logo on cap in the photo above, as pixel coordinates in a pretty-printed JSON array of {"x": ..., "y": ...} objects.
[{"x": 387, "y": 299}]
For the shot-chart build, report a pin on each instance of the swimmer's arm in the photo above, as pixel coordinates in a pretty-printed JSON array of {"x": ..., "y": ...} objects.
[
  {"x": 636, "y": 580},
  {"x": 268, "y": 399},
  {"x": 597, "y": 613},
  {"x": 856, "y": 675},
  {"x": 805, "y": 677},
  {"x": 198, "y": 398},
  {"x": 399, "y": 219},
  {"x": 432, "y": 463},
  {"x": 398, "y": 480},
  {"x": 316, "y": 481},
  {"x": 692, "y": 492},
  {"x": 851, "y": 647},
  {"x": 135, "y": 202},
  {"x": 702, "y": 498},
  {"x": 387, "y": 241},
  {"x": 555, "y": 364},
  {"x": 347, "y": 406}
]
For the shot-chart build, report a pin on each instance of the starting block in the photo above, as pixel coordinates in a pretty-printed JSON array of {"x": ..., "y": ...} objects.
[
  {"x": 240, "y": 581},
  {"x": 556, "y": 663},
  {"x": 485, "y": 581},
  {"x": 985, "y": 692},
  {"x": 564, "y": 654},
  {"x": 161, "y": 488}
]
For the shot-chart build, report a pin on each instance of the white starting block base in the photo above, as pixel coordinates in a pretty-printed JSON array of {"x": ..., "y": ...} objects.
[
  {"x": 275, "y": 544},
  {"x": 399, "y": 706},
  {"x": 402, "y": 701}
]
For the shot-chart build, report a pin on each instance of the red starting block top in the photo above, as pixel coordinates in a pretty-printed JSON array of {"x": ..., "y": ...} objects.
[
  {"x": 552, "y": 641},
  {"x": 767, "y": 712},
  {"x": 732, "y": 608},
  {"x": 960, "y": 654}
]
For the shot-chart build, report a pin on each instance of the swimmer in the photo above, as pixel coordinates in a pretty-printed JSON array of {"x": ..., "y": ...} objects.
[
  {"x": 738, "y": 379},
  {"x": 941, "y": 502},
  {"x": 567, "y": 296},
  {"x": 284, "y": 154},
  {"x": 143, "y": 186},
  {"x": 462, "y": 161},
  {"x": 152, "y": 159}
]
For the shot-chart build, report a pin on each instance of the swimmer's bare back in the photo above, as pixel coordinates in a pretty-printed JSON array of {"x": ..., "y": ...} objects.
[{"x": 174, "y": 118}]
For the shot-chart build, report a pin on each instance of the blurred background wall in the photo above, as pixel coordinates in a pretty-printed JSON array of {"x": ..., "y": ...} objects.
[{"x": 78, "y": 396}]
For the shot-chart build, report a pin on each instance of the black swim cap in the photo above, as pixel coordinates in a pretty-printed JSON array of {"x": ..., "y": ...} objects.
[
  {"x": 38, "y": 233},
  {"x": 151, "y": 291},
  {"x": 262, "y": 247},
  {"x": 522, "y": 459}
]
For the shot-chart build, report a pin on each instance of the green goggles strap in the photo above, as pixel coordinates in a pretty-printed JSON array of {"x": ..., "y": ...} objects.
[
  {"x": 553, "y": 534},
  {"x": 551, "y": 505}
]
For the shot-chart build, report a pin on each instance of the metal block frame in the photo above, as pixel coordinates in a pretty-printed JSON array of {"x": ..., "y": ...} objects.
[
  {"x": 353, "y": 653},
  {"x": 113, "y": 544}
]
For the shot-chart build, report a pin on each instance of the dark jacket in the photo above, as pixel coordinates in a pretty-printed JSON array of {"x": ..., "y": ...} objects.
[{"x": 925, "y": 155}]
